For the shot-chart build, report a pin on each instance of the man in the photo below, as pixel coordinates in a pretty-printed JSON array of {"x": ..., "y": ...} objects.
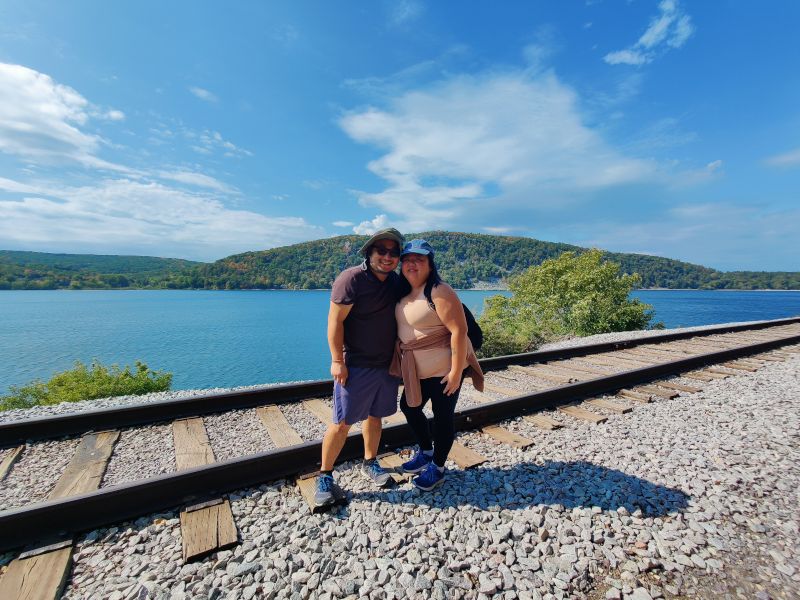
[{"x": 361, "y": 336}]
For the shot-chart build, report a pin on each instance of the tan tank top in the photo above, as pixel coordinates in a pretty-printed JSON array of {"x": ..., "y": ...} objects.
[{"x": 416, "y": 319}]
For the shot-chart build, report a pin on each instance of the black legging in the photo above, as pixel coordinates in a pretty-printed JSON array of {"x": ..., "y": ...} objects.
[{"x": 443, "y": 429}]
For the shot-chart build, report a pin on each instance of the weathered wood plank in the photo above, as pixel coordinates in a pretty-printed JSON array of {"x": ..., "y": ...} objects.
[
  {"x": 740, "y": 366},
  {"x": 207, "y": 530},
  {"x": 655, "y": 391},
  {"x": 319, "y": 409},
  {"x": 278, "y": 428},
  {"x": 609, "y": 405},
  {"x": 581, "y": 368},
  {"x": 192, "y": 448},
  {"x": 39, "y": 577},
  {"x": 308, "y": 487},
  {"x": 11, "y": 457},
  {"x": 394, "y": 464},
  {"x": 465, "y": 457},
  {"x": 541, "y": 374},
  {"x": 85, "y": 472},
  {"x": 212, "y": 527},
  {"x": 697, "y": 375},
  {"x": 506, "y": 436},
  {"x": 679, "y": 386},
  {"x": 543, "y": 422},
  {"x": 583, "y": 414},
  {"x": 710, "y": 372},
  {"x": 498, "y": 389},
  {"x": 637, "y": 396}
]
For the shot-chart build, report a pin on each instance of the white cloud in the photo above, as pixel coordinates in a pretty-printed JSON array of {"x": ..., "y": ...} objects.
[
  {"x": 207, "y": 142},
  {"x": 787, "y": 159},
  {"x": 671, "y": 27},
  {"x": 370, "y": 227},
  {"x": 343, "y": 223},
  {"x": 405, "y": 11},
  {"x": 40, "y": 120},
  {"x": 204, "y": 94},
  {"x": 196, "y": 179},
  {"x": 143, "y": 218},
  {"x": 449, "y": 146}
]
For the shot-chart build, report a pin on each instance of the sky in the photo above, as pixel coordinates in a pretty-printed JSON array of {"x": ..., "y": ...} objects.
[{"x": 202, "y": 129}]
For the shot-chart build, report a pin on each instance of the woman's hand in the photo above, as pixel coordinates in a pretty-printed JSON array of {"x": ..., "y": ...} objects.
[{"x": 453, "y": 380}]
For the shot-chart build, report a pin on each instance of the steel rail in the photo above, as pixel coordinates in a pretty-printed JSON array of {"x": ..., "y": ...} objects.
[
  {"x": 66, "y": 516},
  {"x": 27, "y": 430}
]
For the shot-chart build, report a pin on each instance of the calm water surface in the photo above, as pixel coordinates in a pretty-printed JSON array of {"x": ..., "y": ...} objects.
[{"x": 210, "y": 339}]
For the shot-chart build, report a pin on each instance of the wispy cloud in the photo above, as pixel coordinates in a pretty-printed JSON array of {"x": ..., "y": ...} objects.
[
  {"x": 342, "y": 223},
  {"x": 403, "y": 12},
  {"x": 447, "y": 146},
  {"x": 204, "y": 94},
  {"x": 196, "y": 179},
  {"x": 209, "y": 142},
  {"x": 786, "y": 160},
  {"x": 142, "y": 217},
  {"x": 41, "y": 120},
  {"x": 670, "y": 28}
]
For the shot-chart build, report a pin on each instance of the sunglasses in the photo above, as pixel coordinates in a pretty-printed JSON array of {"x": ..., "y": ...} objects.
[{"x": 393, "y": 252}]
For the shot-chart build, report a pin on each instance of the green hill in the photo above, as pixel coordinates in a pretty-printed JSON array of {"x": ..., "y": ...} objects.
[
  {"x": 465, "y": 260},
  {"x": 41, "y": 270}
]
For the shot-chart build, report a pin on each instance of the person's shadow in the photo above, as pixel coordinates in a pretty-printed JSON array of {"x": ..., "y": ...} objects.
[{"x": 570, "y": 484}]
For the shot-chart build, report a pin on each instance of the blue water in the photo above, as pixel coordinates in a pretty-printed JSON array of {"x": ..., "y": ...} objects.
[{"x": 209, "y": 339}]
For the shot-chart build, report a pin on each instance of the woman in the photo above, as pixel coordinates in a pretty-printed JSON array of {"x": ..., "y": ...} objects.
[{"x": 431, "y": 354}]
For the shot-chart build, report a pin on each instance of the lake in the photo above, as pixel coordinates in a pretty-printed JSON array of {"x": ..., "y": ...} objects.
[{"x": 223, "y": 339}]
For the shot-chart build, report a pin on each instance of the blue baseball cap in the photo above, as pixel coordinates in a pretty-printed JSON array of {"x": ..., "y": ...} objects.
[{"x": 417, "y": 247}]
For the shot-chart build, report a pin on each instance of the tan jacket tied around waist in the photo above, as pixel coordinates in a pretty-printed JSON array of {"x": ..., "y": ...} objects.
[{"x": 403, "y": 364}]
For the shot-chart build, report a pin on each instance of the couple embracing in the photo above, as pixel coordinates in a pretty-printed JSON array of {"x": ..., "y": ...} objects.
[{"x": 383, "y": 326}]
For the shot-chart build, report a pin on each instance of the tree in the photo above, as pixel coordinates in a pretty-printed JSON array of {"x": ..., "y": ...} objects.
[{"x": 574, "y": 294}]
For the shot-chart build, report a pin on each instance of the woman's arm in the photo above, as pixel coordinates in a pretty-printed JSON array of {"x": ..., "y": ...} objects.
[{"x": 450, "y": 311}]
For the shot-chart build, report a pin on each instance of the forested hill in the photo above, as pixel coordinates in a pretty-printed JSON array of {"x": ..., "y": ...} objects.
[
  {"x": 465, "y": 260},
  {"x": 41, "y": 270}
]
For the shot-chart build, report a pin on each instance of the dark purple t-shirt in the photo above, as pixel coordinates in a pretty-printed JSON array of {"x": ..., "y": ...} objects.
[{"x": 370, "y": 328}]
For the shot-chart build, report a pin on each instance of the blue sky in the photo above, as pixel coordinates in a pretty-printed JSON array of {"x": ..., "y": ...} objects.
[{"x": 202, "y": 129}]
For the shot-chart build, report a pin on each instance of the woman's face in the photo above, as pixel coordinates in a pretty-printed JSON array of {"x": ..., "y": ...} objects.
[{"x": 416, "y": 269}]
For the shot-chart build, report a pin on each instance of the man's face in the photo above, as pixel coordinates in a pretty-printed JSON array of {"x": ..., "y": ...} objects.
[{"x": 384, "y": 256}]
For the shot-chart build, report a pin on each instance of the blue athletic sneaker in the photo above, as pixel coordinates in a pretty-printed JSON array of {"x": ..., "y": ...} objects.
[
  {"x": 417, "y": 463},
  {"x": 372, "y": 470},
  {"x": 324, "y": 494},
  {"x": 429, "y": 478}
]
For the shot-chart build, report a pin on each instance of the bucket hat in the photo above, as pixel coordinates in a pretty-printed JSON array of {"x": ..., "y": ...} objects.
[{"x": 384, "y": 234}]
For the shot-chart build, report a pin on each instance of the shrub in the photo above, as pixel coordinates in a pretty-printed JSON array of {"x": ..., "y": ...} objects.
[
  {"x": 565, "y": 296},
  {"x": 87, "y": 383}
]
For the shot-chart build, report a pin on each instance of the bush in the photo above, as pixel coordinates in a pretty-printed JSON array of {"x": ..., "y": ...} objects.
[
  {"x": 565, "y": 296},
  {"x": 87, "y": 383}
]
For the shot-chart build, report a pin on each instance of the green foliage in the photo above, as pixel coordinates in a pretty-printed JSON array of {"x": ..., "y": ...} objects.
[
  {"x": 574, "y": 294},
  {"x": 87, "y": 383},
  {"x": 465, "y": 260}
]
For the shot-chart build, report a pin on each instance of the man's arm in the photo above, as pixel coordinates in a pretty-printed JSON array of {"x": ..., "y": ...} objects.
[{"x": 337, "y": 313}]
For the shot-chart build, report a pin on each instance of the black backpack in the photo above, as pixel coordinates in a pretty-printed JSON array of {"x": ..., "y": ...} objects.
[{"x": 474, "y": 331}]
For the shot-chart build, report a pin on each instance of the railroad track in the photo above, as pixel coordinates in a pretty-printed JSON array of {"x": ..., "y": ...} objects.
[{"x": 569, "y": 380}]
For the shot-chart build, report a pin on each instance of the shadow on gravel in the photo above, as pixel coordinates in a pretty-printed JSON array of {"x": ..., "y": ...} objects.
[{"x": 570, "y": 484}]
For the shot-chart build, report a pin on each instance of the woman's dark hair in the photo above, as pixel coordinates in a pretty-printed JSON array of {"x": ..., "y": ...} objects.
[{"x": 404, "y": 288}]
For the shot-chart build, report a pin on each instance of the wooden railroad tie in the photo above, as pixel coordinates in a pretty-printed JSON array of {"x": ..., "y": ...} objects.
[
  {"x": 393, "y": 463},
  {"x": 208, "y": 526},
  {"x": 307, "y": 484},
  {"x": 506, "y": 436},
  {"x": 11, "y": 457},
  {"x": 636, "y": 396},
  {"x": 543, "y": 422},
  {"x": 609, "y": 405},
  {"x": 583, "y": 371},
  {"x": 465, "y": 457},
  {"x": 769, "y": 358},
  {"x": 498, "y": 389},
  {"x": 697, "y": 375},
  {"x": 542, "y": 374},
  {"x": 278, "y": 428},
  {"x": 41, "y": 573},
  {"x": 689, "y": 389},
  {"x": 656, "y": 391},
  {"x": 320, "y": 409},
  {"x": 582, "y": 414},
  {"x": 740, "y": 366}
]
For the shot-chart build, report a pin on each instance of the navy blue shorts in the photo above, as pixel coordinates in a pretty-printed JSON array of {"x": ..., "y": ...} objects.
[{"x": 368, "y": 393}]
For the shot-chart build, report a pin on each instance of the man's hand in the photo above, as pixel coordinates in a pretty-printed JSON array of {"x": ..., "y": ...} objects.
[
  {"x": 453, "y": 380},
  {"x": 339, "y": 372}
]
